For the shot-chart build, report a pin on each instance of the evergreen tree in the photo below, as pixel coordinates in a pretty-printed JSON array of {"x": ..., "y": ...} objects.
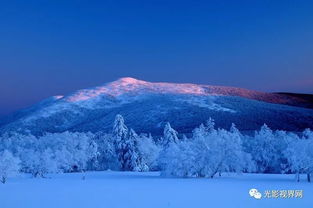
[
  {"x": 169, "y": 135},
  {"x": 210, "y": 124},
  {"x": 122, "y": 143},
  {"x": 130, "y": 157},
  {"x": 128, "y": 153},
  {"x": 120, "y": 130}
]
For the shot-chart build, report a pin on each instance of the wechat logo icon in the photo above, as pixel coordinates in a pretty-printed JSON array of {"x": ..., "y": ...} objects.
[{"x": 255, "y": 193}]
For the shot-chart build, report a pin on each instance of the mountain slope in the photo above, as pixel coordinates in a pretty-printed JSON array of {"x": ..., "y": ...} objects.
[{"x": 147, "y": 106}]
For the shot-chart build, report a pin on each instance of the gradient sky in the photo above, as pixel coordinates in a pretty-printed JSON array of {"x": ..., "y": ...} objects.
[{"x": 56, "y": 47}]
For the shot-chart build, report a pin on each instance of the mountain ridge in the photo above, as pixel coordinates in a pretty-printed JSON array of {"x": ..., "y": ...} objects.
[
  {"x": 118, "y": 87},
  {"x": 154, "y": 103}
]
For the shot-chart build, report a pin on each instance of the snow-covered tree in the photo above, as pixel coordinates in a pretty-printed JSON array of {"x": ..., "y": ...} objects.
[
  {"x": 172, "y": 160},
  {"x": 129, "y": 156},
  {"x": 215, "y": 151},
  {"x": 120, "y": 130},
  {"x": 72, "y": 150},
  {"x": 299, "y": 154},
  {"x": 246, "y": 163},
  {"x": 129, "y": 148},
  {"x": 148, "y": 151},
  {"x": 168, "y": 142},
  {"x": 200, "y": 132},
  {"x": 16, "y": 143},
  {"x": 39, "y": 163},
  {"x": 106, "y": 157},
  {"x": 169, "y": 135},
  {"x": 233, "y": 129},
  {"x": 266, "y": 149},
  {"x": 210, "y": 124},
  {"x": 204, "y": 130},
  {"x": 9, "y": 165},
  {"x": 123, "y": 145},
  {"x": 128, "y": 153},
  {"x": 307, "y": 134}
]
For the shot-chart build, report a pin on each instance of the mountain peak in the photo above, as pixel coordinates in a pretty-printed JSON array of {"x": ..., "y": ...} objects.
[{"x": 128, "y": 80}]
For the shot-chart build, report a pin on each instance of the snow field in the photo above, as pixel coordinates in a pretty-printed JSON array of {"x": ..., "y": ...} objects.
[{"x": 149, "y": 189}]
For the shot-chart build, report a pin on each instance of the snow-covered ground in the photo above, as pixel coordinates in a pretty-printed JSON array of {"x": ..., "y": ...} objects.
[{"x": 131, "y": 189}]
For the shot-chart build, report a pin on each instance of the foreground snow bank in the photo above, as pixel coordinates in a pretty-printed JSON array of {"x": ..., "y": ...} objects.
[{"x": 131, "y": 189}]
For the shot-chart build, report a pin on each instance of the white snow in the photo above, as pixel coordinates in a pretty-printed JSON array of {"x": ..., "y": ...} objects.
[
  {"x": 205, "y": 102},
  {"x": 149, "y": 190},
  {"x": 131, "y": 86},
  {"x": 127, "y": 90}
]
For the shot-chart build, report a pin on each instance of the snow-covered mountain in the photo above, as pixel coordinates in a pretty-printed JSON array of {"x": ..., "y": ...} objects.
[{"x": 147, "y": 106}]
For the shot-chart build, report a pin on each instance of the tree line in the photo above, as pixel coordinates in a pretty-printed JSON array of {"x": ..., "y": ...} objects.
[{"x": 208, "y": 152}]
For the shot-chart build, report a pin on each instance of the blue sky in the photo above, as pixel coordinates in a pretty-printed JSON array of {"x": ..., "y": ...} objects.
[{"x": 55, "y": 47}]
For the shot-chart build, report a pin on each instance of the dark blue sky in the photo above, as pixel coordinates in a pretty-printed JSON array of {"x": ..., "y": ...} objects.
[{"x": 55, "y": 47}]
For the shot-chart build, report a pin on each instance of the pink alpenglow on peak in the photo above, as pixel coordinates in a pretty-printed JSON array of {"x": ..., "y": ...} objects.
[
  {"x": 130, "y": 80},
  {"x": 133, "y": 87}
]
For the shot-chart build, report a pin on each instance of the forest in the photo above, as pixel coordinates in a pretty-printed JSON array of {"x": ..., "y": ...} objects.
[{"x": 208, "y": 152}]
